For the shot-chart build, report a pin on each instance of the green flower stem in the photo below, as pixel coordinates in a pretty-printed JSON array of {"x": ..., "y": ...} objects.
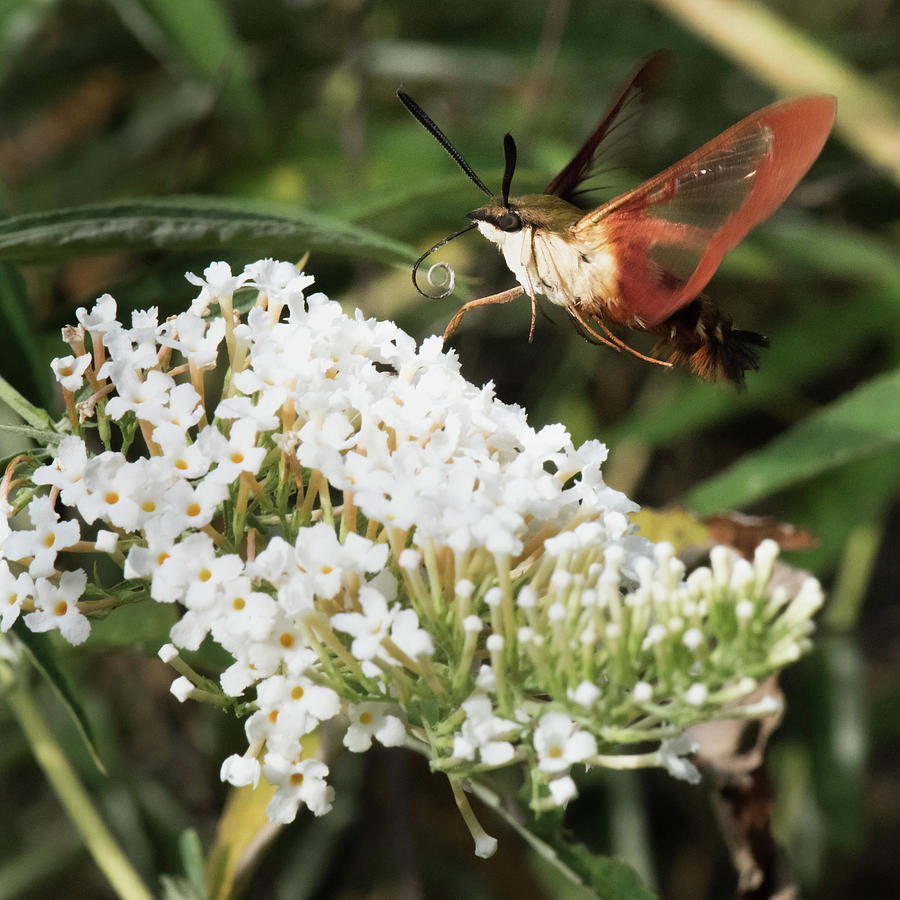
[
  {"x": 212, "y": 697},
  {"x": 226, "y": 308},
  {"x": 498, "y": 664},
  {"x": 312, "y": 491},
  {"x": 325, "y": 502},
  {"x": 348, "y": 515},
  {"x": 71, "y": 793},
  {"x": 464, "y": 668},
  {"x": 196, "y": 374},
  {"x": 638, "y": 734},
  {"x": 434, "y": 576},
  {"x": 147, "y": 432},
  {"x": 419, "y": 594},
  {"x": 317, "y": 632},
  {"x": 502, "y": 562},
  {"x": 626, "y": 760},
  {"x": 485, "y": 845},
  {"x": 71, "y": 412}
]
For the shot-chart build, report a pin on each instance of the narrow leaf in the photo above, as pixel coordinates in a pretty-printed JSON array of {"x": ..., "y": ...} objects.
[
  {"x": 861, "y": 423},
  {"x": 43, "y": 654},
  {"x": 189, "y": 223},
  {"x": 28, "y": 412},
  {"x": 40, "y": 435}
]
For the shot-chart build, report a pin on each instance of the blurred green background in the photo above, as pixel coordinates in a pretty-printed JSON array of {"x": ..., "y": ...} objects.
[{"x": 284, "y": 111}]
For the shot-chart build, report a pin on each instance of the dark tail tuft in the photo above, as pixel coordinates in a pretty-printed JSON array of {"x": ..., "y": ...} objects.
[{"x": 701, "y": 337}]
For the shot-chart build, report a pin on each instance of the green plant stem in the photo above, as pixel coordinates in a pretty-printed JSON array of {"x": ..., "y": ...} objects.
[
  {"x": 71, "y": 793},
  {"x": 762, "y": 42}
]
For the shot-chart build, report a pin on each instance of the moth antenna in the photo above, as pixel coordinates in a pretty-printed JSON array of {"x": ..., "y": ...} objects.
[
  {"x": 425, "y": 120},
  {"x": 447, "y": 287},
  {"x": 509, "y": 151}
]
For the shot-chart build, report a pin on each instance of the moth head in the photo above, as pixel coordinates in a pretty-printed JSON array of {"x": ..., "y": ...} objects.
[
  {"x": 499, "y": 211},
  {"x": 502, "y": 216},
  {"x": 499, "y": 218},
  {"x": 539, "y": 211}
]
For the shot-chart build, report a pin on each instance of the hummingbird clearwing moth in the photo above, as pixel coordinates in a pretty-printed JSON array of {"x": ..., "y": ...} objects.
[{"x": 641, "y": 260}]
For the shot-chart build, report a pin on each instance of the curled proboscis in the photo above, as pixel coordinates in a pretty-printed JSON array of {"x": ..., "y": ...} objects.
[
  {"x": 445, "y": 285},
  {"x": 442, "y": 278}
]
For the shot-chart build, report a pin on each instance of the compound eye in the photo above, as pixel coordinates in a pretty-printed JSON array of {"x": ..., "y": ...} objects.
[{"x": 509, "y": 221}]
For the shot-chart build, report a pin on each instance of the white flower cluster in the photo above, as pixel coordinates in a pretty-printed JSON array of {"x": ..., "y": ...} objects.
[{"x": 377, "y": 543}]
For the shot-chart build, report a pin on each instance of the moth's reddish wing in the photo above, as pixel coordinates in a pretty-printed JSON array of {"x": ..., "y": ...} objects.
[
  {"x": 670, "y": 234},
  {"x": 567, "y": 183}
]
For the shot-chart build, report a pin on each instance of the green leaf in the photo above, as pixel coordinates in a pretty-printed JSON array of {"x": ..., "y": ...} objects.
[
  {"x": 861, "y": 423},
  {"x": 33, "y": 415},
  {"x": 834, "y": 506},
  {"x": 189, "y": 223},
  {"x": 39, "y": 435},
  {"x": 610, "y": 878},
  {"x": 190, "y": 848},
  {"x": 44, "y": 655}
]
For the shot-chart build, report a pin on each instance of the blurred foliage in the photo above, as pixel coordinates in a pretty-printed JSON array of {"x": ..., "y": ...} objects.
[{"x": 143, "y": 138}]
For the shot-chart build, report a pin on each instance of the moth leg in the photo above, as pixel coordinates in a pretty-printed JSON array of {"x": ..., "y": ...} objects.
[
  {"x": 503, "y": 297},
  {"x": 611, "y": 340},
  {"x": 533, "y": 314},
  {"x": 525, "y": 257},
  {"x": 588, "y": 333}
]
